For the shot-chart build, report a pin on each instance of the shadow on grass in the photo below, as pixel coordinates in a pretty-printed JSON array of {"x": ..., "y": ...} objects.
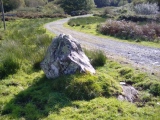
[{"x": 38, "y": 100}]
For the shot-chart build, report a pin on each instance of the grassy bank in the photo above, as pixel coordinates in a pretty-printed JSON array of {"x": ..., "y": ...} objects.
[
  {"x": 26, "y": 94},
  {"x": 89, "y": 25}
]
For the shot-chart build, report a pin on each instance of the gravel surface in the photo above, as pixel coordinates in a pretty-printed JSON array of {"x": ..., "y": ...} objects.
[{"x": 145, "y": 57}]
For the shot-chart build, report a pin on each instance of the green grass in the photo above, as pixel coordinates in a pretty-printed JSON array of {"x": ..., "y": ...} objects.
[
  {"x": 92, "y": 29},
  {"x": 28, "y": 95},
  {"x": 26, "y": 42},
  {"x": 32, "y": 96}
]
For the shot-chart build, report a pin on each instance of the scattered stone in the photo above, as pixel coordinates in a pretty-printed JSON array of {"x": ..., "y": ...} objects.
[
  {"x": 122, "y": 83},
  {"x": 129, "y": 94},
  {"x": 65, "y": 56}
]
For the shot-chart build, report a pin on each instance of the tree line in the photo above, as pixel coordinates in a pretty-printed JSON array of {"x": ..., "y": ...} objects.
[{"x": 69, "y": 5}]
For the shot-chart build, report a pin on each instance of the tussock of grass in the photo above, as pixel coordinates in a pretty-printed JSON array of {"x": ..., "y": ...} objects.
[
  {"x": 97, "y": 57},
  {"x": 9, "y": 65}
]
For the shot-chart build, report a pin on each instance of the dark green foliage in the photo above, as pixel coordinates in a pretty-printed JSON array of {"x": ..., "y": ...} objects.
[
  {"x": 97, "y": 57},
  {"x": 70, "y": 6},
  {"x": 11, "y": 4},
  {"x": 155, "y": 89},
  {"x": 103, "y": 3},
  {"x": 138, "y": 18},
  {"x": 151, "y": 85},
  {"x": 9, "y": 65},
  {"x": 124, "y": 71}
]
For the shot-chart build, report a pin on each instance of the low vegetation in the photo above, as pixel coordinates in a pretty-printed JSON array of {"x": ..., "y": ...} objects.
[
  {"x": 146, "y": 8},
  {"x": 130, "y": 30},
  {"x": 85, "y": 21},
  {"x": 22, "y": 44}
]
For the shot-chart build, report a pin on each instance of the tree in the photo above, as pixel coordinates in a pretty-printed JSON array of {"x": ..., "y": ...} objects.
[
  {"x": 103, "y": 3},
  {"x": 75, "y": 5},
  {"x": 35, "y": 3},
  {"x": 12, "y": 4}
]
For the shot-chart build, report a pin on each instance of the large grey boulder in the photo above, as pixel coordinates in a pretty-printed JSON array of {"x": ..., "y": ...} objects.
[{"x": 65, "y": 56}]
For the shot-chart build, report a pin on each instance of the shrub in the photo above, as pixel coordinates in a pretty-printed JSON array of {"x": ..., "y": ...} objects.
[
  {"x": 135, "y": 2},
  {"x": 33, "y": 15},
  {"x": 130, "y": 30},
  {"x": 146, "y": 8},
  {"x": 120, "y": 29},
  {"x": 9, "y": 65},
  {"x": 138, "y": 18},
  {"x": 155, "y": 89},
  {"x": 107, "y": 10},
  {"x": 151, "y": 31},
  {"x": 151, "y": 85},
  {"x": 124, "y": 71},
  {"x": 98, "y": 58}
]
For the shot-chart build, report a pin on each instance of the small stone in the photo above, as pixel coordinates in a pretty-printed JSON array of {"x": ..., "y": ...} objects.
[{"x": 130, "y": 94}]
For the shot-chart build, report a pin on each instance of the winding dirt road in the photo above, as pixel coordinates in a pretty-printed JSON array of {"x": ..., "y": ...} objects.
[{"x": 144, "y": 57}]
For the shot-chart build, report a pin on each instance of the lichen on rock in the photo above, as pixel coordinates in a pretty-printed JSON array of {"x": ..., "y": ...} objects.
[{"x": 65, "y": 56}]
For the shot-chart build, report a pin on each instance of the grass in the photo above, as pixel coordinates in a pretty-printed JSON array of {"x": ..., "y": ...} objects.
[
  {"x": 97, "y": 58},
  {"x": 92, "y": 29},
  {"x": 24, "y": 41},
  {"x": 32, "y": 96},
  {"x": 28, "y": 95}
]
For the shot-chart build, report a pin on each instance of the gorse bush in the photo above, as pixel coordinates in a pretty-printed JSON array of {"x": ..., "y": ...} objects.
[
  {"x": 146, "y": 8},
  {"x": 130, "y": 30}
]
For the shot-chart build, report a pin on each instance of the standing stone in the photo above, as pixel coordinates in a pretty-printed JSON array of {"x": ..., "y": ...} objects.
[{"x": 65, "y": 56}]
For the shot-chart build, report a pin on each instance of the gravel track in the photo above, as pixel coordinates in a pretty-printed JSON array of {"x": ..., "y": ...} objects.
[{"x": 145, "y": 57}]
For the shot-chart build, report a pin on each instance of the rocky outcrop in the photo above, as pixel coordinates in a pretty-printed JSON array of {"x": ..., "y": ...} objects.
[{"x": 65, "y": 56}]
